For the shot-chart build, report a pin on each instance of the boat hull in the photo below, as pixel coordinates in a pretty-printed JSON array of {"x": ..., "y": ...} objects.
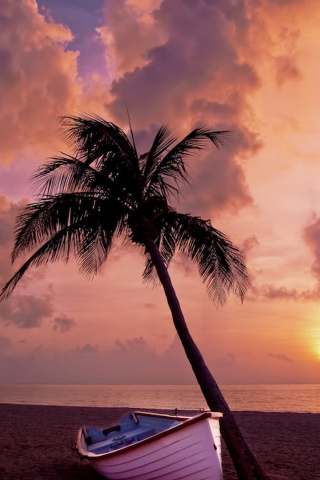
[{"x": 192, "y": 453}]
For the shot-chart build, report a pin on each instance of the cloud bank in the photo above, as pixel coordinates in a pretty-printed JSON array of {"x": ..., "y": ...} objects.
[{"x": 37, "y": 79}]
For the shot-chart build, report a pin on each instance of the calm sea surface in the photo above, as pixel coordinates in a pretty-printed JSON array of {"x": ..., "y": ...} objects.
[{"x": 265, "y": 398}]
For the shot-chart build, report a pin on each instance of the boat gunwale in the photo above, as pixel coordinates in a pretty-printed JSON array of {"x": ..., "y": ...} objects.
[{"x": 186, "y": 422}]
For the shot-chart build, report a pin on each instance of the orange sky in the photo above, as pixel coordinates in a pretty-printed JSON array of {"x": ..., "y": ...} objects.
[{"x": 248, "y": 66}]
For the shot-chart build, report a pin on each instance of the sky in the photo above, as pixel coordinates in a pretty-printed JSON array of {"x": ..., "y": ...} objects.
[{"x": 248, "y": 66}]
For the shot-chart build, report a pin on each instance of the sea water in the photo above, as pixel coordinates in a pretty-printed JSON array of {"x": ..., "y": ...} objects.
[{"x": 265, "y": 398}]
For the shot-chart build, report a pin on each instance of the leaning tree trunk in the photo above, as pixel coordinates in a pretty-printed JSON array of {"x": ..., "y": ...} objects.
[{"x": 245, "y": 463}]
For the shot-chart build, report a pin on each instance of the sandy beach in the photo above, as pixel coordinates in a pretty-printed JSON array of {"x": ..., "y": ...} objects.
[{"x": 36, "y": 442}]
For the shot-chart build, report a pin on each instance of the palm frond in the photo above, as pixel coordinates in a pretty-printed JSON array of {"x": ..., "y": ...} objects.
[
  {"x": 65, "y": 174},
  {"x": 68, "y": 174},
  {"x": 171, "y": 169},
  {"x": 45, "y": 218},
  {"x": 86, "y": 232},
  {"x": 162, "y": 142},
  {"x": 166, "y": 244},
  {"x": 220, "y": 263},
  {"x": 56, "y": 248},
  {"x": 131, "y": 132},
  {"x": 93, "y": 138},
  {"x": 97, "y": 243}
]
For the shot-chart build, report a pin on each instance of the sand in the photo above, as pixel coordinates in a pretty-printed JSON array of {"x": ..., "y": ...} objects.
[{"x": 36, "y": 441}]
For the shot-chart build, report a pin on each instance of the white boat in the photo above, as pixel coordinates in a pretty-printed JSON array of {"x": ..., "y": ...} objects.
[{"x": 151, "y": 446}]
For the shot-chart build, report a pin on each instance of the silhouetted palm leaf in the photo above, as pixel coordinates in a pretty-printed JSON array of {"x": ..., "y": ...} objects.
[
  {"x": 64, "y": 174},
  {"x": 94, "y": 138},
  {"x": 219, "y": 262},
  {"x": 171, "y": 167}
]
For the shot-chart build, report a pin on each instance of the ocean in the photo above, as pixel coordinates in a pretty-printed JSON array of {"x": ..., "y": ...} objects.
[{"x": 262, "y": 398}]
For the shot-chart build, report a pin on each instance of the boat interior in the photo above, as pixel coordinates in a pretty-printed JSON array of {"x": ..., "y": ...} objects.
[{"x": 133, "y": 428}]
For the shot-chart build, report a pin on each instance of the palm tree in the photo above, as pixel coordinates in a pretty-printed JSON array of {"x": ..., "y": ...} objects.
[{"x": 106, "y": 191}]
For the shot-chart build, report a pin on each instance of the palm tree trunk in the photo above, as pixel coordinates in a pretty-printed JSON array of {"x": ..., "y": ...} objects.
[{"x": 245, "y": 463}]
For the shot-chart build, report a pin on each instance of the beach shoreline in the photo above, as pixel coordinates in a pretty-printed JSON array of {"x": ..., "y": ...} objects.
[{"x": 36, "y": 442}]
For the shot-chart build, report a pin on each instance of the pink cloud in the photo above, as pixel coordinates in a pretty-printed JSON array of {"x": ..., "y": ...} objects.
[
  {"x": 126, "y": 21},
  {"x": 286, "y": 69},
  {"x": 63, "y": 324},
  {"x": 199, "y": 52},
  {"x": 86, "y": 349},
  {"x": 270, "y": 291},
  {"x": 37, "y": 79},
  {"x": 311, "y": 235},
  {"x": 8, "y": 212},
  {"x": 25, "y": 311},
  {"x": 130, "y": 361},
  {"x": 280, "y": 356},
  {"x": 249, "y": 244}
]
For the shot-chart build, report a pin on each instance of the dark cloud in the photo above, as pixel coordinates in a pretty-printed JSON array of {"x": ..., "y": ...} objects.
[
  {"x": 134, "y": 345},
  {"x": 224, "y": 111},
  {"x": 274, "y": 292},
  {"x": 218, "y": 182},
  {"x": 144, "y": 138},
  {"x": 198, "y": 52},
  {"x": 218, "y": 186},
  {"x": 280, "y": 356},
  {"x": 25, "y": 311},
  {"x": 86, "y": 349},
  {"x": 63, "y": 324}
]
